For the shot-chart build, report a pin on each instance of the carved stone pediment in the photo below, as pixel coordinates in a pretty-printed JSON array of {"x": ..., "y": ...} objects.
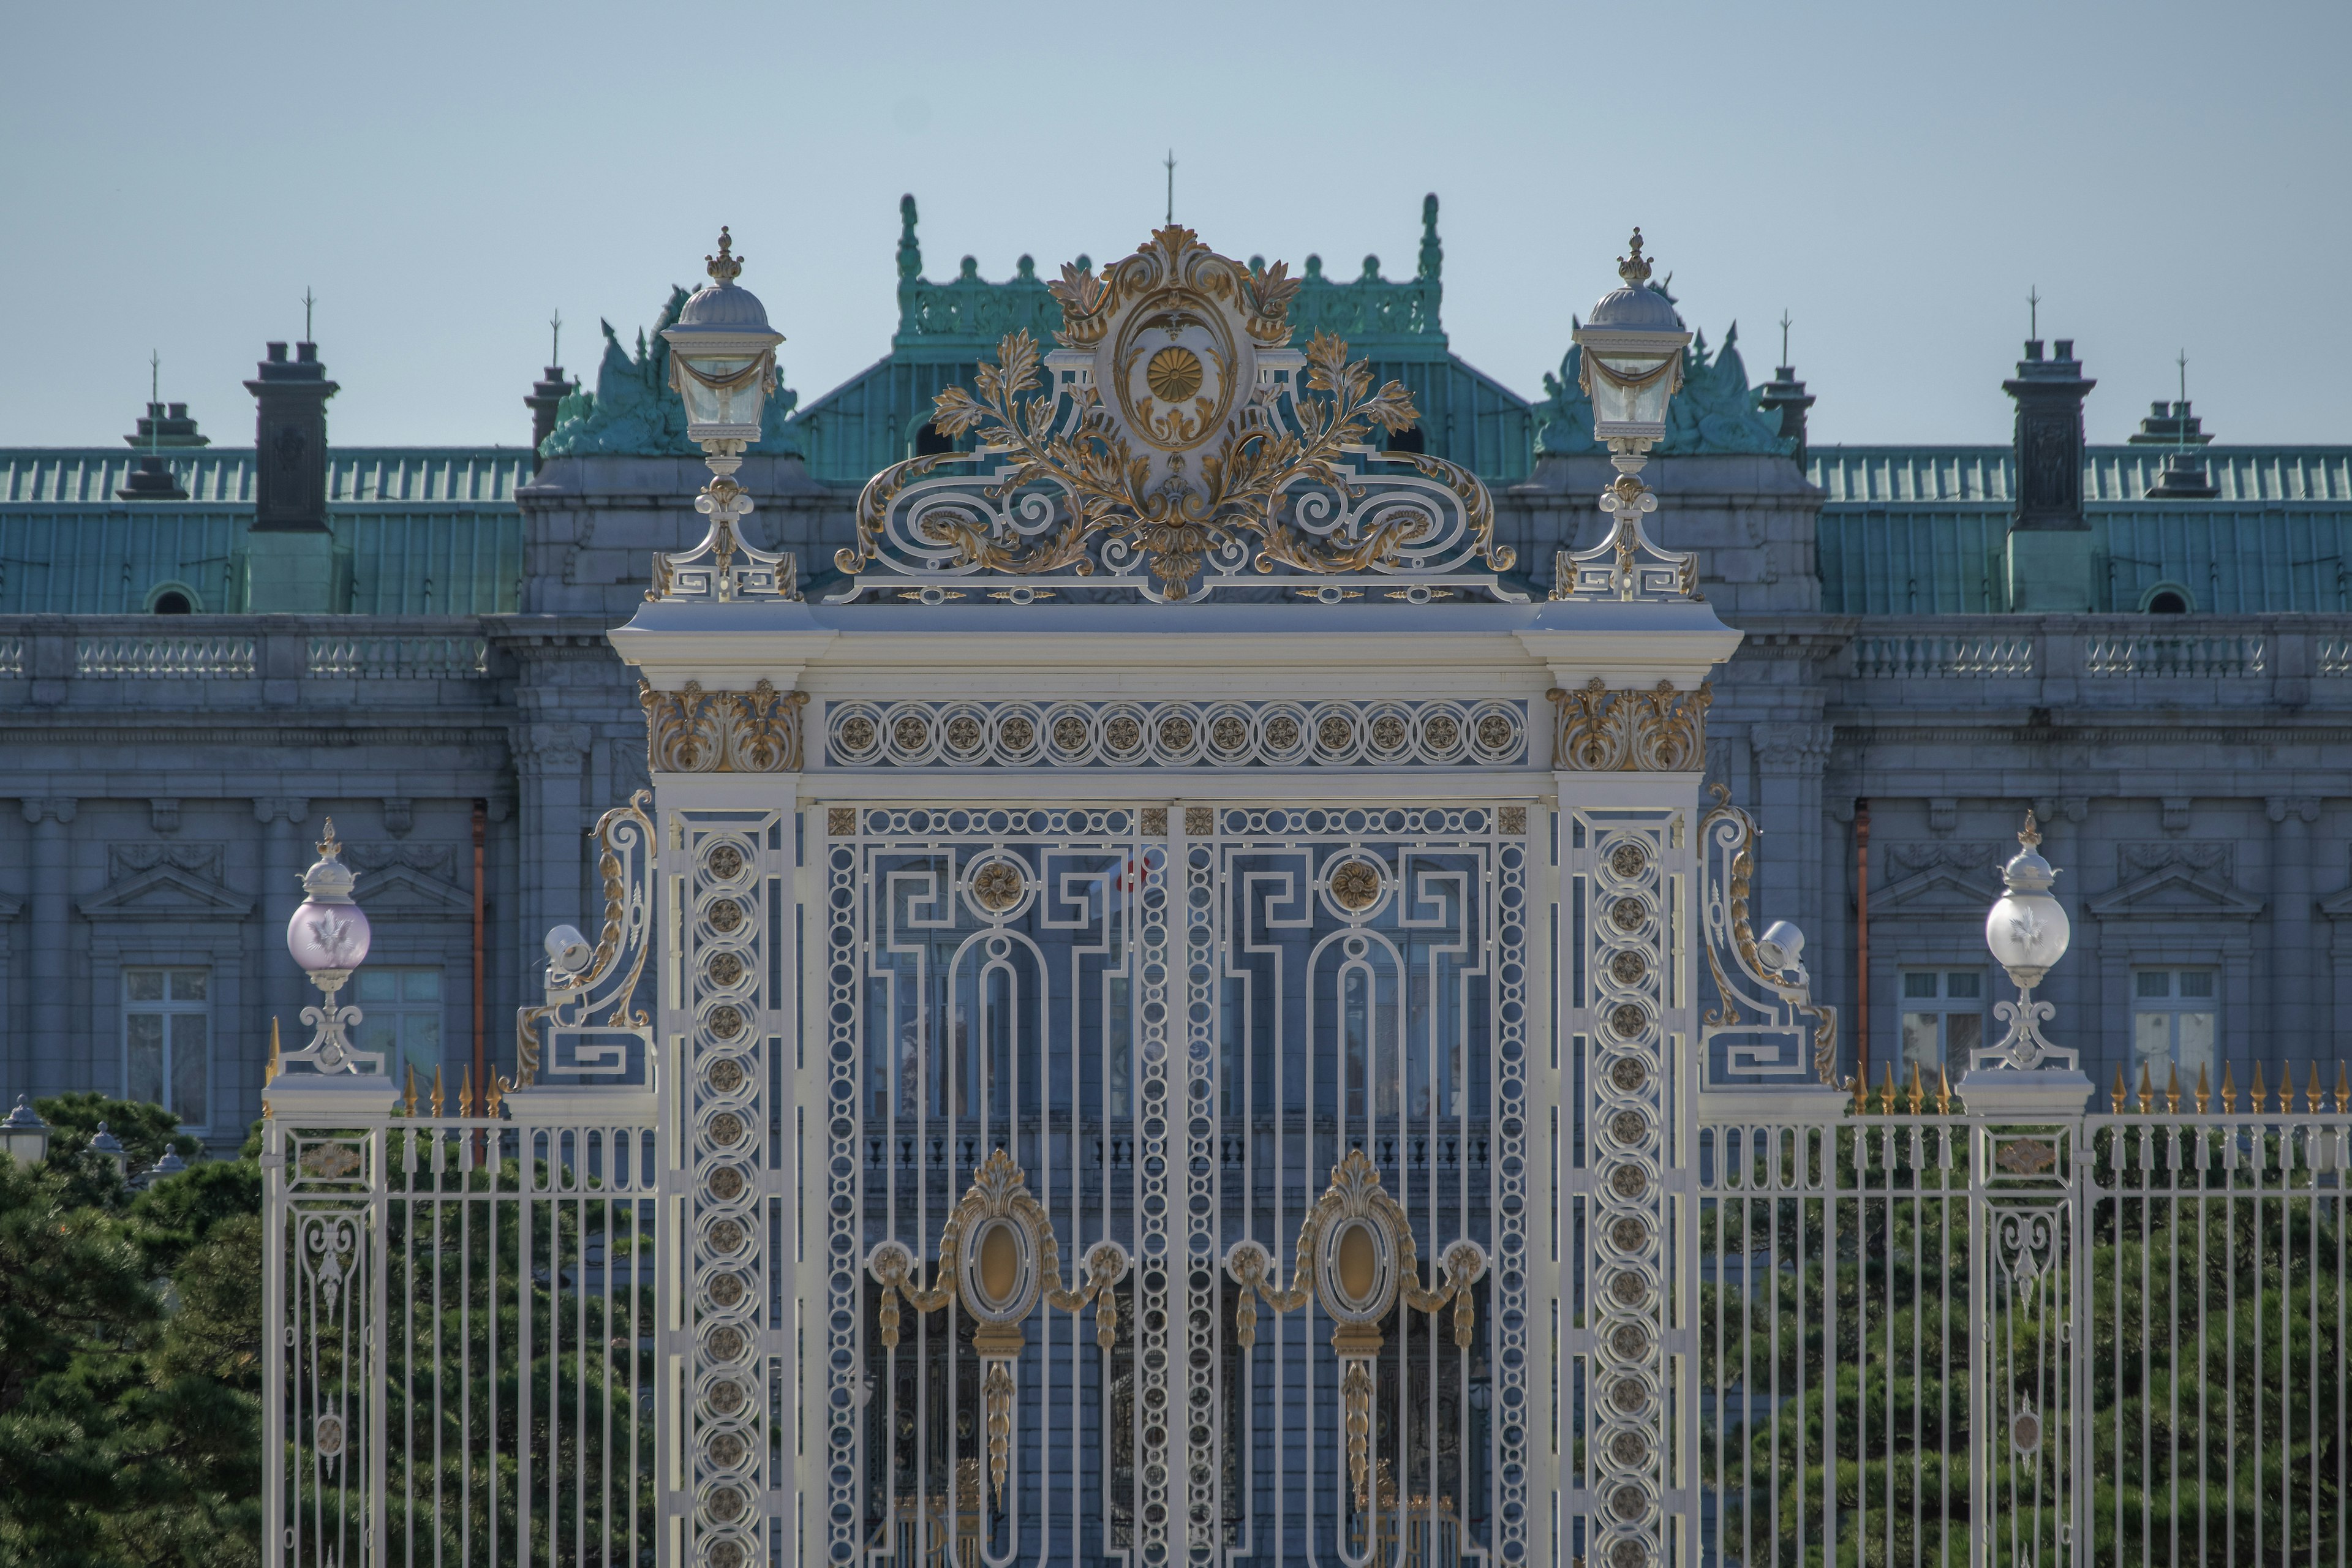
[
  {"x": 400, "y": 889},
  {"x": 165, "y": 892},
  {"x": 2177, "y": 891},
  {"x": 1938, "y": 878}
]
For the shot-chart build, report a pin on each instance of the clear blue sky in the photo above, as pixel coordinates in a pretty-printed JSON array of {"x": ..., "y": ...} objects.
[{"x": 1895, "y": 175}]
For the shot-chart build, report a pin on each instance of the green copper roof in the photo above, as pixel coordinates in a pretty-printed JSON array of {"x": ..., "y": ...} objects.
[
  {"x": 945, "y": 330},
  {"x": 424, "y": 530},
  {"x": 1915, "y": 530}
]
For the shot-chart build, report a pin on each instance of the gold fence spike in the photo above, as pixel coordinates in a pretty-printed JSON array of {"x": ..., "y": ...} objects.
[
  {"x": 1943, "y": 1091},
  {"x": 1860, "y": 1084},
  {"x": 2146, "y": 1089},
  {"x": 436, "y": 1088},
  {"x": 1886, "y": 1093},
  {"x": 1916, "y": 1095},
  {"x": 466, "y": 1092},
  {"x": 2172, "y": 1092},
  {"x": 2119, "y": 1095},
  {"x": 2343, "y": 1091},
  {"x": 492, "y": 1095},
  {"x": 2204, "y": 1089},
  {"x": 2311, "y": 1090},
  {"x": 2228, "y": 1092},
  {"x": 408, "y": 1099},
  {"x": 2259, "y": 1093},
  {"x": 270, "y": 1073}
]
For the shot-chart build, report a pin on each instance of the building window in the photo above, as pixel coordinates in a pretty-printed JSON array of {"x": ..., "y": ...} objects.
[
  {"x": 400, "y": 1014},
  {"x": 1943, "y": 1019},
  {"x": 2175, "y": 1019},
  {"x": 930, "y": 441},
  {"x": 167, "y": 1041}
]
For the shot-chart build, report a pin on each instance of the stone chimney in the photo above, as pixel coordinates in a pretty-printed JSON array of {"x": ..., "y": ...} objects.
[
  {"x": 152, "y": 479},
  {"x": 289, "y": 441},
  {"x": 546, "y": 394},
  {"x": 1785, "y": 395},
  {"x": 291, "y": 564},
  {"x": 2049, "y": 537}
]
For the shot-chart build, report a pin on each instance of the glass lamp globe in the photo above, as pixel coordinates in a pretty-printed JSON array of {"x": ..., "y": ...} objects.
[
  {"x": 329, "y": 933},
  {"x": 1633, "y": 359},
  {"x": 722, "y": 354},
  {"x": 2028, "y": 930}
]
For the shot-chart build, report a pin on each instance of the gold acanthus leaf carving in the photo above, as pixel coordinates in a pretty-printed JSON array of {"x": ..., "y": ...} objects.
[
  {"x": 1597, "y": 730},
  {"x": 1094, "y": 490},
  {"x": 695, "y": 731}
]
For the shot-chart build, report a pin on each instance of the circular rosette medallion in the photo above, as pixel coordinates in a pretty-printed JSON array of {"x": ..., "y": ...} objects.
[{"x": 1175, "y": 365}]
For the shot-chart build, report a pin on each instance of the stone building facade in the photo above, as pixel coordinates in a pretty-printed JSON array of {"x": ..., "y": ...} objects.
[{"x": 185, "y": 696}]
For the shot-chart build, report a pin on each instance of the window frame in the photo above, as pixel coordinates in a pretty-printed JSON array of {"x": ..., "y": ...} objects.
[
  {"x": 1943, "y": 1007},
  {"x": 168, "y": 1007},
  {"x": 2174, "y": 1005}
]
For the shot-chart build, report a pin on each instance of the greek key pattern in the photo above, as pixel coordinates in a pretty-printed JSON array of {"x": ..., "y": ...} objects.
[
  {"x": 1620, "y": 859},
  {"x": 727, "y": 1015},
  {"x": 1176, "y": 733}
]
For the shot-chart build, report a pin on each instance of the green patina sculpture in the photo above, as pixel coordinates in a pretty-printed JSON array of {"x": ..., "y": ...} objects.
[
  {"x": 1714, "y": 413},
  {"x": 634, "y": 413}
]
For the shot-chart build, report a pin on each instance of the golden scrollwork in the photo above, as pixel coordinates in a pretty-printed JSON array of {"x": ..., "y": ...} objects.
[
  {"x": 624, "y": 840},
  {"x": 1772, "y": 997},
  {"x": 698, "y": 731},
  {"x": 1169, "y": 438},
  {"x": 1597, "y": 730},
  {"x": 1357, "y": 1260},
  {"x": 998, "y": 1258}
]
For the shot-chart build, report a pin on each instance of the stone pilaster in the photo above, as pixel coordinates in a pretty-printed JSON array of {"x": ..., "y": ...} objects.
[
  {"x": 549, "y": 760},
  {"x": 51, "y": 1054},
  {"x": 1789, "y": 756},
  {"x": 2295, "y": 1026},
  {"x": 281, "y": 985}
]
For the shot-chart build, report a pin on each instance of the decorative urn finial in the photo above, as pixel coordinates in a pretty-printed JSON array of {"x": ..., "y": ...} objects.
[
  {"x": 726, "y": 267},
  {"x": 1634, "y": 269}
]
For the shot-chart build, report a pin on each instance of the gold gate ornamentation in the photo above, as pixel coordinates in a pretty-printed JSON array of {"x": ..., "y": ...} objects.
[{"x": 1356, "y": 1257}]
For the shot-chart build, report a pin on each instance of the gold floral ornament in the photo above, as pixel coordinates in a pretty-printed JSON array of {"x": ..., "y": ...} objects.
[
  {"x": 608, "y": 983},
  {"x": 1173, "y": 444},
  {"x": 1357, "y": 1260},
  {"x": 998, "y": 1258},
  {"x": 1597, "y": 730},
  {"x": 697, "y": 731}
]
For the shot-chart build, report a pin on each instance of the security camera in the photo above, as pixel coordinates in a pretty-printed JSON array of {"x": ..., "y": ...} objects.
[
  {"x": 568, "y": 952},
  {"x": 1781, "y": 946}
]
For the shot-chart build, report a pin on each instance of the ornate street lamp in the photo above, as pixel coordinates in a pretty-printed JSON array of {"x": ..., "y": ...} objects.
[
  {"x": 328, "y": 938},
  {"x": 722, "y": 361},
  {"x": 1632, "y": 365},
  {"x": 2027, "y": 929},
  {"x": 108, "y": 1148},
  {"x": 25, "y": 1137}
]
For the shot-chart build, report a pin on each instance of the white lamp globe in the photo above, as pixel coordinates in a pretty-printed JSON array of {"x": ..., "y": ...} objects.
[
  {"x": 2026, "y": 928},
  {"x": 1633, "y": 359},
  {"x": 329, "y": 933},
  {"x": 722, "y": 354}
]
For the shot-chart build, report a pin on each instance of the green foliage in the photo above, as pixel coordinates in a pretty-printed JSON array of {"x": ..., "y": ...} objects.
[{"x": 130, "y": 1351}]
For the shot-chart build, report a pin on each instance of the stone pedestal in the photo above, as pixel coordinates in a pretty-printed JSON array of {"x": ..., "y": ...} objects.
[{"x": 294, "y": 572}]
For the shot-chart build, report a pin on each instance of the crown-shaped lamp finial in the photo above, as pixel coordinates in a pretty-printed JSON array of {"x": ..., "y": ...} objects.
[
  {"x": 2031, "y": 836},
  {"x": 1634, "y": 269},
  {"x": 331, "y": 847},
  {"x": 726, "y": 267}
]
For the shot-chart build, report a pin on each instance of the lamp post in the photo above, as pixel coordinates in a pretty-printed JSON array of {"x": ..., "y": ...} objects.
[
  {"x": 25, "y": 1137},
  {"x": 329, "y": 936},
  {"x": 2023, "y": 1073},
  {"x": 722, "y": 361},
  {"x": 1632, "y": 365}
]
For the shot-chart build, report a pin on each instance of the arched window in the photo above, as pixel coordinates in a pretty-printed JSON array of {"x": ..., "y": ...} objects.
[
  {"x": 2167, "y": 599},
  {"x": 172, "y": 603},
  {"x": 929, "y": 442},
  {"x": 1412, "y": 440}
]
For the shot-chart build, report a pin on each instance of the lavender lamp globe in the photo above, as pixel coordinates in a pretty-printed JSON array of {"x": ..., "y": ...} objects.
[{"x": 327, "y": 936}]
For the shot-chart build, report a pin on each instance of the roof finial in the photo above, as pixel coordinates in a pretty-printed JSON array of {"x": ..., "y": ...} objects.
[
  {"x": 726, "y": 267},
  {"x": 155, "y": 400},
  {"x": 2034, "y": 311},
  {"x": 1432, "y": 254},
  {"x": 555, "y": 344},
  {"x": 910, "y": 250},
  {"x": 2031, "y": 837},
  {"x": 1634, "y": 269},
  {"x": 1171, "y": 184},
  {"x": 329, "y": 849},
  {"x": 309, "y": 299},
  {"x": 1784, "y": 337}
]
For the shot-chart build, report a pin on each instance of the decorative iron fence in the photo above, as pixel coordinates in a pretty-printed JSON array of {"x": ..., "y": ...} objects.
[
  {"x": 1922, "y": 1337},
  {"x": 463, "y": 1333}
]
